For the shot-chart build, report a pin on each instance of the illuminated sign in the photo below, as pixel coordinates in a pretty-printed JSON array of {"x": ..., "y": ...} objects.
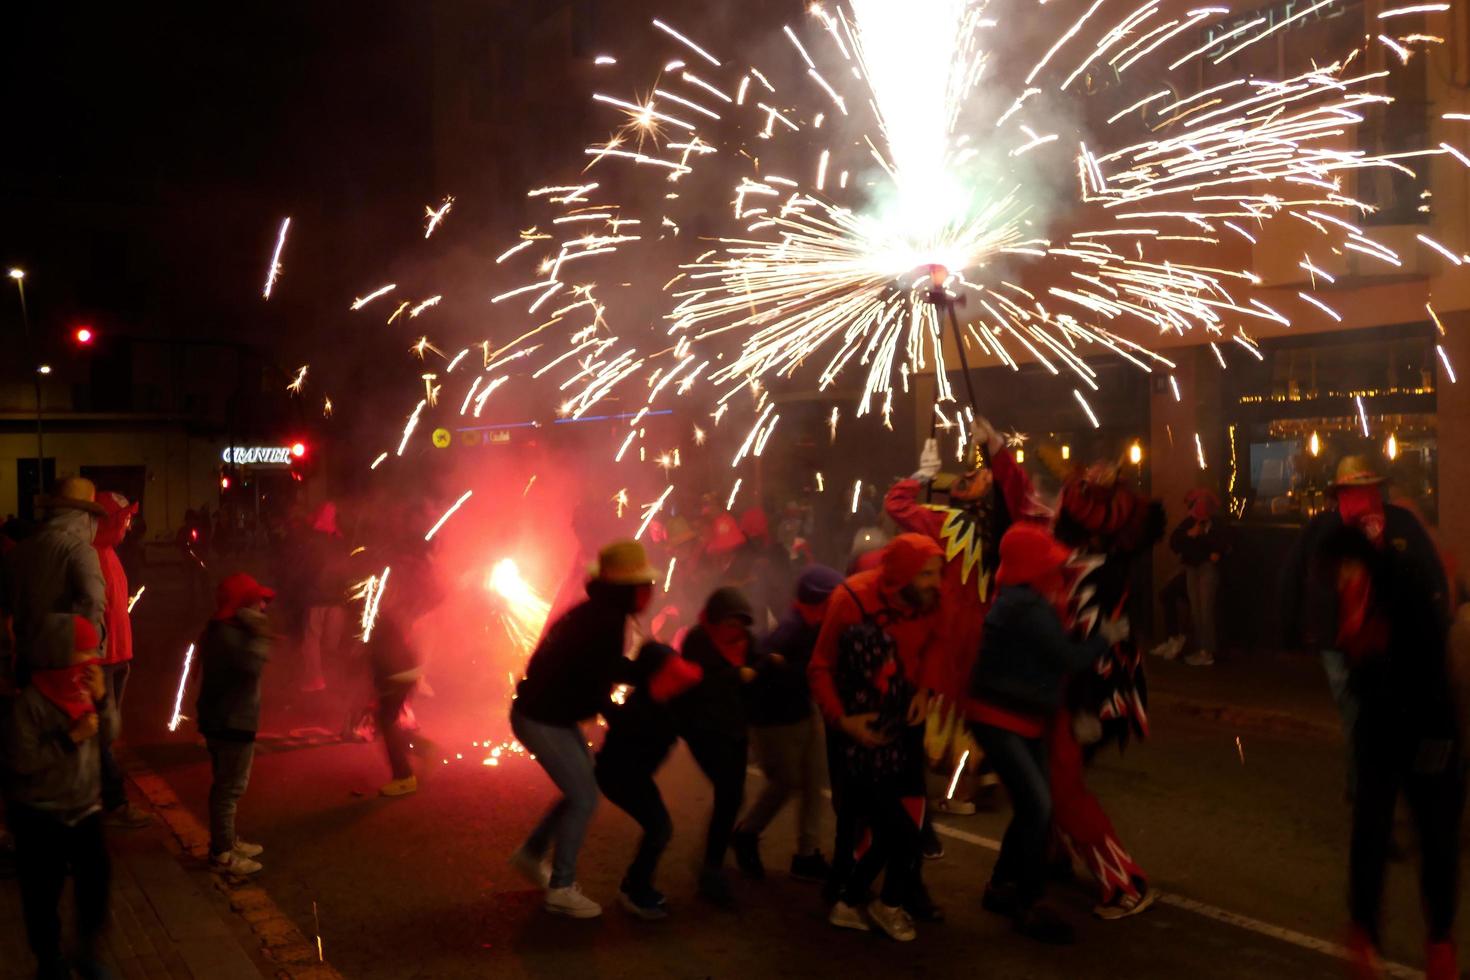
[{"x": 256, "y": 455}]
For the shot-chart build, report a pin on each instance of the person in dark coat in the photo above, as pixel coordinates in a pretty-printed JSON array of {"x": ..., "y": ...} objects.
[
  {"x": 713, "y": 720},
  {"x": 641, "y": 730},
  {"x": 51, "y": 763},
  {"x": 1393, "y": 627},
  {"x": 787, "y": 733},
  {"x": 1201, "y": 541},
  {"x": 1016, "y": 688},
  {"x": 233, "y": 651},
  {"x": 326, "y": 586},
  {"x": 569, "y": 680}
]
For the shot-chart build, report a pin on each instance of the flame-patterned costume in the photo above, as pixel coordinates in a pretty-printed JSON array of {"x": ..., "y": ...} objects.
[{"x": 1110, "y": 526}]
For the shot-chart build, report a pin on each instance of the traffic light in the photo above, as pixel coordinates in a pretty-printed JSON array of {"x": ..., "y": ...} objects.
[
  {"x": 301, "y": 461},
  {"x": 83, "y": 335},
  {"x": 298, "y": 450}
]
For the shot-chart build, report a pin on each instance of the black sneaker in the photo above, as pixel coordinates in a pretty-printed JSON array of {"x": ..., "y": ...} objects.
[
  {"x": 714, "y": 888},
  {"x": 1002, "y": 899},
  {"x": 932, "y": 845},
  {"x": 747, "y": 850},
  {"x": 921, "y": 906},
  {"x": 1045, "y": 926},
  {"x": 648, "y": 904},
  {"x": 810, "y": 867}
]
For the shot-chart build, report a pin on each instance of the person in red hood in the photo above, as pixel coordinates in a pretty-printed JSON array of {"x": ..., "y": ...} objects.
[
  {"x": 894, "y": 606},
  {"x": 53, "y": 790},
  {"x": 982, "y": 503},
  {"x": 117, "y": 655}
]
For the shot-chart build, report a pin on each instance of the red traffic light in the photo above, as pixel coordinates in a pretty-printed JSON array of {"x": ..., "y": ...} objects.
[
  {"x": 224, "y": 483},
  {"x": 298, "y": 449},
  {"x": 83, "y": 335}
]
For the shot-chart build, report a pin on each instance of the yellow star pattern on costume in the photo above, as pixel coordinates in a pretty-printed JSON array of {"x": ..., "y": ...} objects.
[{"x": 960, "y": 535}]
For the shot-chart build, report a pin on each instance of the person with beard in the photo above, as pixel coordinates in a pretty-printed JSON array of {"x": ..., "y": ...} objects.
[
  {"x": 982, "y": 503},
  {"x": 1110, "y": 527},
  {"x": 51, "y": 763},
  {"x": 878, "y": 645},
  {"x": 1392, "y": 623},
  {"x": 569, "y": 680},
  {"x": 786, "y": 732},
  {"x": 641, "y": 730},
  {"x": 713, "y": 720},
  {"x": 1016, "y": 690}
]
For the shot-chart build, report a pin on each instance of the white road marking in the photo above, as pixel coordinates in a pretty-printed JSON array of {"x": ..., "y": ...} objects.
[
  {"x": 1245, "y": 922},
  {"x": 1229, "y": 918}
]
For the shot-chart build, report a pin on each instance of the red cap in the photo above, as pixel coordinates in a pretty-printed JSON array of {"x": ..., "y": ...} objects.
[
  {"x": 904, "y": 557},
  {"x": 84, "y": 635},
  {"x": 1028, "y": 553},
  {"x": 238, "y": 591}
]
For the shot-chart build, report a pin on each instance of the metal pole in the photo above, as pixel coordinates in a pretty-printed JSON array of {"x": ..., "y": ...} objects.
[
  {"x": 959, "y": 343},
  {"x": 25, "y": 319}
]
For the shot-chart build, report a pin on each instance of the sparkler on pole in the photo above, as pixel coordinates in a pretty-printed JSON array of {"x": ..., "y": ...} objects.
[{"x": 173, "y": 722}]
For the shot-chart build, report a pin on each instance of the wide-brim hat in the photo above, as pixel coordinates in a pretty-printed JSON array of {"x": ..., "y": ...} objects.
[
  {"x": 1354, "y": 471},
  {"x": 624, "y": 563},
  {"x": 73, "y": 493}
]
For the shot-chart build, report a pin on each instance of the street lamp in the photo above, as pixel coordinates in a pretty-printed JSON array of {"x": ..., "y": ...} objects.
[{"x": 19, "y": 276}]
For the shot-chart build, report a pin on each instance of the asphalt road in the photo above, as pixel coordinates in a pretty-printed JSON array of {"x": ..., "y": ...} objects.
[{"x": 1248, "y": 841}]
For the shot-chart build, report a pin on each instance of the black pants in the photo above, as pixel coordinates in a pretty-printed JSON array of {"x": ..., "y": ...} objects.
[
  {"x": 722, "y": 760},
  {"x": 1021, "y": 764},
  {"x": 626, "y": 779},
  {"x": 114, "y": 793},
  {"x": 46, "y": 850},
  {"x": 1431, "y": 775},
  {"x": 893, "y": 847},
  {"x": 395, "y": 739}
]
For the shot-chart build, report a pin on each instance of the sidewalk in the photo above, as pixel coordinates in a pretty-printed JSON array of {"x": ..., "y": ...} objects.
[
  {"x": 167, "y": 922},
  {"x": 1284, "y": 693}
]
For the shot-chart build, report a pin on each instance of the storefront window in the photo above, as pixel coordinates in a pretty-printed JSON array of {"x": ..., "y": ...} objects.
[{"x": 1310, "y": 402}]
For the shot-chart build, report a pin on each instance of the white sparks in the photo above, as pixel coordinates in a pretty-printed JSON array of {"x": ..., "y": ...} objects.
[
  {"x": 1199, "y": 451},
  {"x": 1445, "y": 360},
  {"x": 1086, "y": 408},
  {"x": 1362, "y": 414},
  {"x": 362, "y": 301},
  {"x": 733, "y": 491},
  {"x": 650, "y": 510},
  {"x": 436, "y": 216},
  {"x": 449, "y": 513},
  {"x": 857, "y": 489},
  {"x": 274, "y": 272},
  {"x": 136, "y": 596},
  {"x": 173, "y": 722}
]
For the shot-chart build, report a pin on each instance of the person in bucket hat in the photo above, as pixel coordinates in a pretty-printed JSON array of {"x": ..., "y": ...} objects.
[{"x": 569, "y": 680}]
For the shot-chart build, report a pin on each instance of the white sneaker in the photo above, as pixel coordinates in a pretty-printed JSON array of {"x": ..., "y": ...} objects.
[
  {"x": 845, "y": 916},
  {"x": 234, "y": 863},
  {"x": 1169, "y": 649},
  {"x": 1200, "y": 658},
  {"x": 246, "y": 849},
  {"x": 893, "y": 920},
  {"x": 534, "y": 869},
  {"x": 955, "y": 808},
  {"x": 570, "y": 901}
]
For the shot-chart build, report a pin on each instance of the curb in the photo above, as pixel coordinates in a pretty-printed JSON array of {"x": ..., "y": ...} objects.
[
  {"x": 1267, "y": 720},
  {"x": 295, "y": 956}
]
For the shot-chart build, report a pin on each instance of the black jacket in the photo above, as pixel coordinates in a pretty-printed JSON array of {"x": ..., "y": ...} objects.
[
  {"x": 781, "y": 695},
  {"x": 1197, "y": 550},
  {"x": 573, "y": 670},
  {"x": 232, "y": 656},
  {"x": 640, "y": 731},
  {"x": 1028, "y": 654},
  {"x": 719, "y": 703}
]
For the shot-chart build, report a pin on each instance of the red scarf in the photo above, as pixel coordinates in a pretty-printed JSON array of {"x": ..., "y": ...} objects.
[
  {"x": 731, "y": 639},
  {"x": 67, "y": 689},
  {"x": 1362, "y": 508}
]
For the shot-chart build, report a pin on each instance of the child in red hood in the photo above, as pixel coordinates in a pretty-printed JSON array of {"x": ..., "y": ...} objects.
[
  {"x": 117, "y": 654},
  {"x": 53, "y": 789}
]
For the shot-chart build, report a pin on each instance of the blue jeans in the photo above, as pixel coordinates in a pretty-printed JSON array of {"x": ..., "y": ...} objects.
[
  {"x": 562, "y": 751},
  {"x": 1021, "y": 764},
  {"x": 1335, "y": 662},
  {"x": 230, "y": 762}
]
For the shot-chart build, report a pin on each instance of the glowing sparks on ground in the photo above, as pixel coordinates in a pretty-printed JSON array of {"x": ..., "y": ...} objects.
[
  {"x": 274, "y": 272},
  {"x": 525, "y": 608},
  {"x": 450, "y": 513},
  {"x": 173, "y": 722},
  {"x": 434, "y": 217},
  {"x": 136, "y": 596}
]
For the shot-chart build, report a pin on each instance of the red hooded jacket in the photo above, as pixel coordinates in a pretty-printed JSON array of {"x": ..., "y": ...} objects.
[
  {"x": 918, "y": 637},
  {"x": 110, "y": 530},
  {"x": 968, "y": 564}
]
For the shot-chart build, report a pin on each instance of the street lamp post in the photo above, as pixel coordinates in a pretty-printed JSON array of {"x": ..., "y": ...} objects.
[{"x": 19, "y": 276}]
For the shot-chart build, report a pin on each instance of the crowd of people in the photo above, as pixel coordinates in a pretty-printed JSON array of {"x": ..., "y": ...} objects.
[{"x": 979, "y": 637}]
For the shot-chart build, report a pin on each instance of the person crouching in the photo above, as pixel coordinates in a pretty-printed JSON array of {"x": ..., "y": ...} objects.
[
  {"x": 53, "y": 797},
  {"x": 232, "y": 654}
]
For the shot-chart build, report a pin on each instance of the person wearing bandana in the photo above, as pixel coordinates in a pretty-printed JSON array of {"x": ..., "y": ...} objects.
[
  {"x": 1390, "y": 595},
  {"x": 52, "y": 767}
]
